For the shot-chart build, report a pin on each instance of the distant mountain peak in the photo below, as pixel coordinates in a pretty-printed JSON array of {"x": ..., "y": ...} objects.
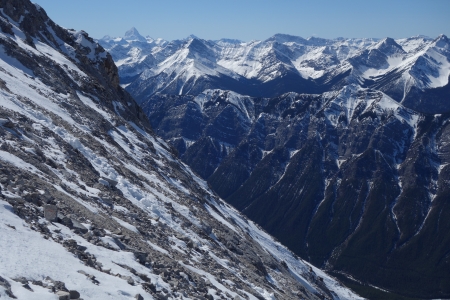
[
  {"x": 442, "y": 41},
  {"x": 442, "y": 37},
  {"x": 192, "y": 37},
  {"x": 389, "y": 40},
  {"x": 283, "y": 38},
  {"x": 133, "y": 34},
  {"x": 389, "y": 46},
  {"x": 229, "y": 41}
]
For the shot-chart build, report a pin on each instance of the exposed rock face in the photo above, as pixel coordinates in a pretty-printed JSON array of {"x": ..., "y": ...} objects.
[
  {"x": 131, "y": 219},
  {"x": 350, "y": 179}
]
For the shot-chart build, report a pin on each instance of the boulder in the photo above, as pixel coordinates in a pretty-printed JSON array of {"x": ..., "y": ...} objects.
[
  {"x": 78, "y": 226},
  {"x": 6, "y": 123},
  {"x": 140, "y": 256},
  {"x": 98, "y": 186},
  {"x": 130, "y": 281},
  {"x": 33, "y": 198},
  {"x": 107, "y": 182},
  {"x": 50, "y": 212},
  {"x": 74, "y": 294},
  {"x": 67, "y": 221},
  {"x": 60, "y": 286},
  {"x": 138, "y": 297},
  {"x": 162, "y": 297},
  {"x": 4, "y": 179},
  {"x": 206, "y": 228},
  {"x": 111, "y": 182},
  {"x": 63, "y": 295},
  {"x": 149, "y": 287}
]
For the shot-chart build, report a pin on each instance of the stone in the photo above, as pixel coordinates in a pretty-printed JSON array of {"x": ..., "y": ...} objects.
[
  {"x": 74, "y": 294},
  {"x": 4, "y": 179},
  {"x": 6, "y": 123},
  {"x": 50, "y": 212},
  {"x": 111, "y": 182},
  {"x": 149, "y": 287},
  {"x": 138, "y": 297},
  {"x": 60, "y": 286},
  {"x": 65, "y": 220},
  {"x": 63, "y": 295},
  {"x": 37, "y": 282},
  {"x": 98, "y": 186},
  {"x": 207, "y": 228},
  {"x": 140, "y": 256},
  {"x": 78, "y": 226},
  {"x": 33, "y": 198},
  {"x": 162, "y": 297}
]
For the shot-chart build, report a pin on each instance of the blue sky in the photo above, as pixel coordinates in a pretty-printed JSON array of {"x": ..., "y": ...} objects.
[{"x": 253, "y": 19}]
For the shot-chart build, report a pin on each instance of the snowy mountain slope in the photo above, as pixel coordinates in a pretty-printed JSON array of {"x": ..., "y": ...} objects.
[
  {"x": 391, "y": 69},
  {"x": 283, "y": 63},
  {"x": 131, "y": 219},
  {"x": 342, "y": 178},
  {"x": 133, "y": 53},
  {"x": 179, "y": 72}
]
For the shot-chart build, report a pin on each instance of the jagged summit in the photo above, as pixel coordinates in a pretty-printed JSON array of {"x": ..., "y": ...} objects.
[
  {"x": 192, "y": 36},
  {"x": 389, "y": 46},
  {"x": 134, "y": 35},
  {"x": 442, "y": 41}
]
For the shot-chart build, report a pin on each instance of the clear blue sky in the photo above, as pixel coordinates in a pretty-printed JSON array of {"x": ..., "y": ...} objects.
[{"x": 253, "y": 19}]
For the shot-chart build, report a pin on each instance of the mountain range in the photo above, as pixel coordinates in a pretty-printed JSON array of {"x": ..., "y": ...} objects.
[
  {"x": 413, "y": 71},
  {"x": 340, "y": 148}
]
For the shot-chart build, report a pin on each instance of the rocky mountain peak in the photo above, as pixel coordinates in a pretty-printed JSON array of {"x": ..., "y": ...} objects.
[
  {"x": 442, "y": 41},
  {"x": 286, "y": 38},
  {"x": 133, "y": 35},
  {"x": 196, "y": 44},
  {"x": 389, "y": 46},
  {"x": 316, "y": 41}
]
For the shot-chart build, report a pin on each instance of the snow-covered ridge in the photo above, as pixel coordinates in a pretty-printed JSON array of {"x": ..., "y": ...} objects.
[
  {"x": 346, "y": 103},
  {"x": 422, "y": 62}
]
